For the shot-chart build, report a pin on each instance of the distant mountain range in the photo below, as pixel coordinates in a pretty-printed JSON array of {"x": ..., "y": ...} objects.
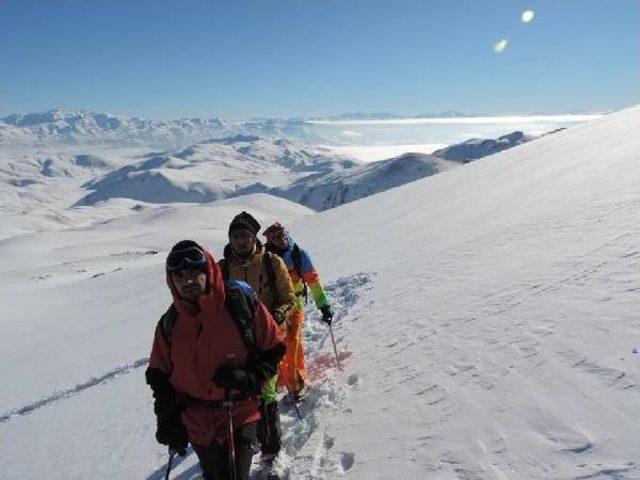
[
  {"x": 79, "y": 159},
  {"x": 67, "y": 127},
  {"x": 77, "y": 127},
  {"x": 87, "y": 176},
  {"x": 80, "y": 127}
]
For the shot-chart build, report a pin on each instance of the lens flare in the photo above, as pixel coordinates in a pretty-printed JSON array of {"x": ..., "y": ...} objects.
[
  {"x": 501, "y": 45},
  {"x": 528, "y": 15}
]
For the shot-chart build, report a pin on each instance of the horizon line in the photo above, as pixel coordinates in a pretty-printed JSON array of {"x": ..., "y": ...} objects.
[{"x": 389, "y": 117}]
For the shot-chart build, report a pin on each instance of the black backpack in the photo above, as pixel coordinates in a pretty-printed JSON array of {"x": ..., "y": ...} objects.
[{"x": 240, "y": 302}]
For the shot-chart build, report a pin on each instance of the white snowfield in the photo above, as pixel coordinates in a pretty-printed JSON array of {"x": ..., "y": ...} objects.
[{"x": 486, "y": 319}]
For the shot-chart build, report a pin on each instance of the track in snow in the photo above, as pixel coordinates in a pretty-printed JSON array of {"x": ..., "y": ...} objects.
[{"x": 79, "y": 388}]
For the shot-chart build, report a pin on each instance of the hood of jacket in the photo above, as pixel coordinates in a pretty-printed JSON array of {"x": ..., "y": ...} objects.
[{"x": 213, "y": 296}]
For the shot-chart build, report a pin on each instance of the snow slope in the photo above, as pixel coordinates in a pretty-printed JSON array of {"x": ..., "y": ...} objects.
[
  {"x": 486, "y": 323},
  {"x": 328, "y": 190},
  {"x": 499, "y": 342}
]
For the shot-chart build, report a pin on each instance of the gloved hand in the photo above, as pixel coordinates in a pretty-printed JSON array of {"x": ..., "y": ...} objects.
[
  {"x": 171, "y": 431},
  {"x": 235, "y": 378},
  {"x": 173, "y": 434},
  {"x": 327, "y": 314}
]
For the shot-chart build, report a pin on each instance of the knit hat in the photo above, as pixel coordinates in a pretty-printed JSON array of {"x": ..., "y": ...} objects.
[
  {"x": 275, "y": 229},
  {"x": 244, "y": 221}
]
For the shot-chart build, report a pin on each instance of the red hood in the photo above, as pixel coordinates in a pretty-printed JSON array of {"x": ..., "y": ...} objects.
[{"x": 215, "y": 289}]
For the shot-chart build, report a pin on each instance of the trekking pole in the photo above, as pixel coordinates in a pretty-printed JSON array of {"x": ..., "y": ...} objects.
[
  {"x": 172, "y": 453},
  {"x": 295, "y": 406},
  {"x": 228, "y": 404},
  {"x": 335, "y": 349}
]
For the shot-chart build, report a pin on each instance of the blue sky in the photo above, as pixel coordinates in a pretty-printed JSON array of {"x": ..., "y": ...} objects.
[{"x": 240, "y": 59}]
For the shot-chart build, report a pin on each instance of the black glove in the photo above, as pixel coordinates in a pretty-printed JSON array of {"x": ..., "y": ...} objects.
[
  {"x": 171, "y": 431},
  {"x": 234, "y": 378},
  {"x": 278, "y": 316},
  {"x": 173, "y": 434},
  {"x": 264, "y": 365},
  {"x": 327, "y": 314}
]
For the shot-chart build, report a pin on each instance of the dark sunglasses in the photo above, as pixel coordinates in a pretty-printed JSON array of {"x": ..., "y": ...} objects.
[{"x": 184, "y": 258}]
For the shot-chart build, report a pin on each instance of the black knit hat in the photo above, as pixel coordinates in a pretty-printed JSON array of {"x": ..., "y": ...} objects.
[{"x": 244, "y": 221}]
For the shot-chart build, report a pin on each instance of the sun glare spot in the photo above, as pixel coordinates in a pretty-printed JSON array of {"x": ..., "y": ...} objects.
[
  {"x": 501, "y": 45},
  {"x": 528, "y": 15}
]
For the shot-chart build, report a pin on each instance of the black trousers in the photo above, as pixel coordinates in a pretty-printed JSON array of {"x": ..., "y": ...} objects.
[
  {"x": 214, "y": 461},
  {"x": 269, "y": 431}
]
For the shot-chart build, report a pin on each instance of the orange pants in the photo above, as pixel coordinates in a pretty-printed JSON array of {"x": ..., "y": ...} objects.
[{"x": 292, "y": 371}]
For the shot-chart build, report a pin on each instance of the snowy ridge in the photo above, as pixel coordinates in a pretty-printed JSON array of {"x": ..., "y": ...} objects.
[
  {"x": 491, "y": 335},
  {"x": 328, "y": 190},
  {"x": 212, "y": 170},
  {"x": 475, "y": 148}
]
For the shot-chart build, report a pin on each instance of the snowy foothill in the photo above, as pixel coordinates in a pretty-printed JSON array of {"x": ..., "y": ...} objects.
[
  {"x": 58, "y": 186},
  {"x": 486, "y": 318},
  {"x": 323, "y": 191}
]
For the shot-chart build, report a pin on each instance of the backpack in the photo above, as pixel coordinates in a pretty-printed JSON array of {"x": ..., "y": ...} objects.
[
  {"x": 296, "y": 256},
  {"x": 267, "y": 263},
  {"x": 240, "y": 302}
]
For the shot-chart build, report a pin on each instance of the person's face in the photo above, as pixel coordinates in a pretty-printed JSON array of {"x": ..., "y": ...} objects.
[
  {"x": 241, "y": 242},
  {"x": 280, "y": 240},
  {"x": 190, "y": 283}
]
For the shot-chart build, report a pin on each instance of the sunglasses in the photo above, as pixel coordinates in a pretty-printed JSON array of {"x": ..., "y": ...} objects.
[{"x": 184, "y": 258}]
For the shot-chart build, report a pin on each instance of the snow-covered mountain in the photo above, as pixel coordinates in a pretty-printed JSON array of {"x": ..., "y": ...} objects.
[
  {"x": 486, "y": 323},
  {"x": 328, "y": 190},
  {"x": 46, "y": 183},
  {"x": 212, "y": 170},
  {"x": 475, "y": 148},
  {"x": 79, "y": 127},
  {"x": 61, "y": 126},
  {"x": 54, "y": 185}
]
